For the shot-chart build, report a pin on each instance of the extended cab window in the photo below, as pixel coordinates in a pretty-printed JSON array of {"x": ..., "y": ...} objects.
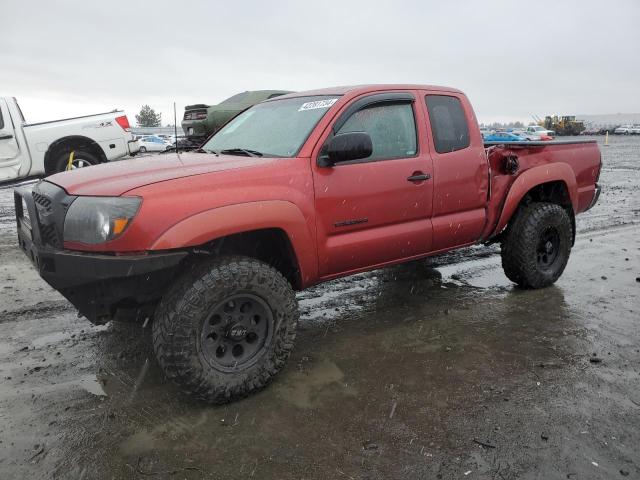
[
  {"x": 392, "y": 129},
  {"x": 448, "y": 123}
]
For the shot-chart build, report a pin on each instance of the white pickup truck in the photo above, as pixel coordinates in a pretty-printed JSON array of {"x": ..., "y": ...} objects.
[
  {"x": 538, "y": 130},
  {"x": 39, "y": 149}
]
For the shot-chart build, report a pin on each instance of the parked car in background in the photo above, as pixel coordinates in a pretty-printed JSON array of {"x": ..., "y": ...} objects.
[
  {"x": 627, "y": 130},
  {"x": 526, "y": 135},
  {"x": 201, "y": 120},
  {"x": 44, "y": 148},
  {"x": 167, "y": 138},
  {"x": 504, "y": 137},
  {"x": 623, "y": 130},
  {"x": 153, "y": 143},
  {"x": 538, "y": 130},
  {"x": 486, "y": 131}
]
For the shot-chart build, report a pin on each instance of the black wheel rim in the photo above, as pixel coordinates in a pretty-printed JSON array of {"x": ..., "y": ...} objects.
[
  {"x": 237, "y": 331},
  {"x": 548, "y": 248}
]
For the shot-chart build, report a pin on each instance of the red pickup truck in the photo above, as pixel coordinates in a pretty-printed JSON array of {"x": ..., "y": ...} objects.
[{"x": 295, "y": 191}]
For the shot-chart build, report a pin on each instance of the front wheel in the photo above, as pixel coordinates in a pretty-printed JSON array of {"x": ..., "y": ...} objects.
[
  {"x": 537, "y": 245},
  {"x": 142, "y": 150},
  {"x": 225, "y": 328}
]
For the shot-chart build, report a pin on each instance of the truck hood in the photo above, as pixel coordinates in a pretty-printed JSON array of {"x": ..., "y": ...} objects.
[{"x": 117, "y": 178}]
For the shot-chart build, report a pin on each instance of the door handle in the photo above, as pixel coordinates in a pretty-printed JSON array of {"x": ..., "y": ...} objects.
[
  {"x": 6, "y": 137},
  {"x": 418, "y": 177}
]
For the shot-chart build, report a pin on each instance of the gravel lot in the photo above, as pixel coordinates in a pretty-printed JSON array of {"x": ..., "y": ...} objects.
[{"x": 435, "y": 369}]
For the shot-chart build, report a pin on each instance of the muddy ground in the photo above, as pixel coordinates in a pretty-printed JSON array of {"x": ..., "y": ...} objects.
[{"x": 437, "y": 369}]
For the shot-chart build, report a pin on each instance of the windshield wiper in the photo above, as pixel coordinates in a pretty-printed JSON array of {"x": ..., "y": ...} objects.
[
  {"x": 241, "y": 151},
  {"x": 202, "y": 150}
]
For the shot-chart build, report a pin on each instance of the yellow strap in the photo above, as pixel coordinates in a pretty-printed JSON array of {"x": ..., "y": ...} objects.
[{"x": 70, "y": 162}]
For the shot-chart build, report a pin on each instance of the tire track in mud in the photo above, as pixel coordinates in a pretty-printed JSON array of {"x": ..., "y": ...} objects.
[{"x": 40, "y": 310}]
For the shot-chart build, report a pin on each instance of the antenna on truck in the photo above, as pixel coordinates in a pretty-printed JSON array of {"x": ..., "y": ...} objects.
[{"x": 175, "y": 125}]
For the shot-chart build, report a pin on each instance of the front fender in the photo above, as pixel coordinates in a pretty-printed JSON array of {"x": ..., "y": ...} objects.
[
  {"x": 210, "y": 225},
  {"x": 531, "y": 178}
]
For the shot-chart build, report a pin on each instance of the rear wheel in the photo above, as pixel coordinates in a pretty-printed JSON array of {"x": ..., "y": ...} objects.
[
  {"x": 81, "y": 159},
  {"x": 226, "y": 328},
  {"x": 537, "y": 245}
]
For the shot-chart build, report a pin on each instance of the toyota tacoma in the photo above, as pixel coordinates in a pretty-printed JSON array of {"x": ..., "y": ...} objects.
[{"x": 297, "y": 190}]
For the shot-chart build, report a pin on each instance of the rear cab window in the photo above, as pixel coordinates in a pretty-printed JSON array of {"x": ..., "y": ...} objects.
[{"x": 448, "y": 123}]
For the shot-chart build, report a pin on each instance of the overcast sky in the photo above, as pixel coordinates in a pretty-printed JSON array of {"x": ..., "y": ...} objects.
[{"x": 512, "y": 58}]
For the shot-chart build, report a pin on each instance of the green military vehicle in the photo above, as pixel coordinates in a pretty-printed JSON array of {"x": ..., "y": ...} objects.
[{"x": 201, "y": 120}]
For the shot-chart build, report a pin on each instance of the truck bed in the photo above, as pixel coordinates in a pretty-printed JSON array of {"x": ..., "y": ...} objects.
[
  {"x": 539, "y": 143},
  {"x": 73, "y": 118}
]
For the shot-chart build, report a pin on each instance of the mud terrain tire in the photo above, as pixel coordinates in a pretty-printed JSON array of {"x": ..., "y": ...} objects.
[
  {"x": 537, "y": 245},
  {"x": 209, "y": 316}
]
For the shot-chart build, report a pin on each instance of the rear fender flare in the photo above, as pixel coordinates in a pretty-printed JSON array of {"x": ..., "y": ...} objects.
[
  {"x": 72, "y": 142},
  {"x": 210, "y": 225},
  {"x": 532, "y": 178}
]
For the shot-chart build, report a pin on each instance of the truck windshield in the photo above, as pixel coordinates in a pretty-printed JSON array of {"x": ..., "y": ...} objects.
[{"x": 272, "y": 129}]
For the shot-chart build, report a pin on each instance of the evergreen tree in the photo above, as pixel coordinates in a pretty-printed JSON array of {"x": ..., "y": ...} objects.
[{"x": 148, "y": 117}]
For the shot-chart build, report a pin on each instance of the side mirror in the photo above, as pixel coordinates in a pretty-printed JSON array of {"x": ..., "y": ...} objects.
[{"x": 344, "y": 147}]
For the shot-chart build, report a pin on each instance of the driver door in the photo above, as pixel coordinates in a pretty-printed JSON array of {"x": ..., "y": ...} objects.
[{"x": 375, "y": 210}]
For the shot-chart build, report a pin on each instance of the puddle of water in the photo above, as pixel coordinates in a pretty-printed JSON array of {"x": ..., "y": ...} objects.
[
  {"x": 137, "y": 444},
  {"x": 481, "y": 273},
  {"x": 55, "y": 337},
  {"x": 302, "y": 389},
  {"x": 91, "y": 384},
  {"x": 5, "y": 348}
]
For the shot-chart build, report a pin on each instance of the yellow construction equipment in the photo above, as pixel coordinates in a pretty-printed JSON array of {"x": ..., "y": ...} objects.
[{"x": 567, "y": 125}]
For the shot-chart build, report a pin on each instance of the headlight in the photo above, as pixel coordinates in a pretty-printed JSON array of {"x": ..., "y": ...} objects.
[{"x": 99, "y": 219}]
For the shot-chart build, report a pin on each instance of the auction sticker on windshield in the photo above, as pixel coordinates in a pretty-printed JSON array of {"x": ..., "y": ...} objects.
[{"x": 317, "y": 104}]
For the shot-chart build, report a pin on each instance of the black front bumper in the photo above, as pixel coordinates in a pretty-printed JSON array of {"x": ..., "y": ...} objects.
[{"x": 98, "y": 285}]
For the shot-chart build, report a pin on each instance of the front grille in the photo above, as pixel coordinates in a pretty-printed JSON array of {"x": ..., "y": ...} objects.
[
  {"x": 49, "y": 235},
  {"x": 42, "y": 201},
  {"x": 51, "y": 207}
]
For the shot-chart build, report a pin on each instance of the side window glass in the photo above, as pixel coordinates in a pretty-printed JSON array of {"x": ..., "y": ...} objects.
[
  {"x": 1, "y": 120},
  {"x": 448, "y": 123},
  {"x": 392, "y": 129}
]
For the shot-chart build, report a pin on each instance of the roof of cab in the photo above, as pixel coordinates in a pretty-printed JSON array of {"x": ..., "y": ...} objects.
[{"x": 360, "y": 89}]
